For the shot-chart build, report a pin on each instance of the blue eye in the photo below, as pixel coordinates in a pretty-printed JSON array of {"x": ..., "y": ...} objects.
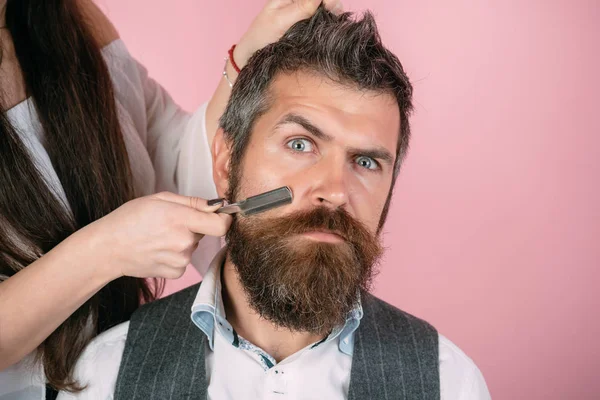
[
  {"x": 366, "y": 162},
  {"x": 300, "y": 145}
]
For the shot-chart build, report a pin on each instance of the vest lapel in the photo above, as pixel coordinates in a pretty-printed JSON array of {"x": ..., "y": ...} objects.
[
  {"x": 164, "y": 355},
  {"x": 395, "y": 355}
]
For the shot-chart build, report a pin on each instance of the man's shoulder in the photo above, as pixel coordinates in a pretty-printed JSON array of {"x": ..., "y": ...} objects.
[
  {"x": 178, "y": 301},
  {"x": 107, "y": 347},
  {"x": 460, "y": 376},
  {"x": 385, "y": 312},
  {"x": 98, "y": 365}
]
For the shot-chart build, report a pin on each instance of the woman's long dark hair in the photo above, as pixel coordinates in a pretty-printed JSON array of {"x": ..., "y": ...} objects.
[{"x": 69, "y": 84}]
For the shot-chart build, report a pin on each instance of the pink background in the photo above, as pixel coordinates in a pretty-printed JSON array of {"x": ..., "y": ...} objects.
[{"x": 494, "y": 232}]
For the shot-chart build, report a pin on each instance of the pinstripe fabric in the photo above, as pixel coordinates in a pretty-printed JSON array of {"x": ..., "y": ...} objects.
[
  {"x": 395, "y": 354},
  {"x": 164, "y": 352}
]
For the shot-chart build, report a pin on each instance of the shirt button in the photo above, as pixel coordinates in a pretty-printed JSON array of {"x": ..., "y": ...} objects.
[{"x": 278, "y": 382}]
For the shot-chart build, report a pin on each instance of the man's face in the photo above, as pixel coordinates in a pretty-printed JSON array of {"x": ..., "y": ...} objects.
[
  {"x": 303, "y": 264},
  {"x": 333, "y": 145}
]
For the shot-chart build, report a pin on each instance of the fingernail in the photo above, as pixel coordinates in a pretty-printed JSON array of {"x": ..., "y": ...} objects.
[{"x": 214, "y": 202}]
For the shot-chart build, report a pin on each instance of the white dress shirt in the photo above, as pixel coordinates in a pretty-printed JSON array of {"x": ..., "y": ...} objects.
[
  {"x": 167, "y": 149},
  {"x": 236, "y": 369}
]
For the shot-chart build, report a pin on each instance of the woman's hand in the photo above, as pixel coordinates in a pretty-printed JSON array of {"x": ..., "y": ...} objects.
[
  {"x": 269, "y": 25},
  {"x": 274, "y": 20},
  {"x": 153, "y": 236}
]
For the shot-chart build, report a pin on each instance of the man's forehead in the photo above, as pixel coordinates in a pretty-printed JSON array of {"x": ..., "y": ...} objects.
[
  {"x": 317, "y": 96},
  {"x": 311, "y": 83}
]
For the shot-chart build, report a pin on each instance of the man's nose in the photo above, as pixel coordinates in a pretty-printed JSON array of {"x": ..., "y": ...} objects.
[{"x": 330, "y": 184}]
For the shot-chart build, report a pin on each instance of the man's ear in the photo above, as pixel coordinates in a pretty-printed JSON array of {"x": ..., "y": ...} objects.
[{"x": 221, "y": 154}]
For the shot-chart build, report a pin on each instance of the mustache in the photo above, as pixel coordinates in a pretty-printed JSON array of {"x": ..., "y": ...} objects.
[{"x": 320, "y": 219}]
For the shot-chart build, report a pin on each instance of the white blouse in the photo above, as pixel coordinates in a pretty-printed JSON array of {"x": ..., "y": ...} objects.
[{"x": 168, "y": 150}]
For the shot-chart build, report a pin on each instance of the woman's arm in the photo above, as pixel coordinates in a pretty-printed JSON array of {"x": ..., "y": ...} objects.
[
  {"x": 269, "y": 25},
  {"x": 37, "y": 299},
  {"x": 152, "y": 236}
]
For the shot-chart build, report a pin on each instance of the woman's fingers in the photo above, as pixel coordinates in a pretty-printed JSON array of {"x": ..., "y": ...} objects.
[
  {"x": 310, "y": 6},
  {"x": 205, "y": 223},
  {"x": 335, "y": 6},
  {"x": 196, "y": 203},
  {"x": 168, "y": 272},
  {"x": 200, "y": 217},
  {"x": 307, "y": 8}
]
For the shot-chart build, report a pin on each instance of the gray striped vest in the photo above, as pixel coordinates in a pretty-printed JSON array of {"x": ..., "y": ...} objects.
[{"x": 395, "y": 354}]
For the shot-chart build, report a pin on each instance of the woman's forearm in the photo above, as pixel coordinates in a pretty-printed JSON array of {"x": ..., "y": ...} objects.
[
  {"x": 218, "y": 102},
  {"x": 37, "y": 299}
]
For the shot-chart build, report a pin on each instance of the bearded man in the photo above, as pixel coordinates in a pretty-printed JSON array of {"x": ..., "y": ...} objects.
[{"x": 284, "y": 311}]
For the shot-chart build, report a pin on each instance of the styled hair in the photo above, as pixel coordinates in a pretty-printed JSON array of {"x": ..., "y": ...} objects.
[
  {"x": 345, "y": 50},
  {"x": 70, "y": 87}
]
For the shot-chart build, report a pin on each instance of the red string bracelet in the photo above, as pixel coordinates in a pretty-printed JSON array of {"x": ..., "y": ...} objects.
[{"x": 232, "y": 61}]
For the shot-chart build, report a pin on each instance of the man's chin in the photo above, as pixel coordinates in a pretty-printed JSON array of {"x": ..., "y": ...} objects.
[{"x": 316, "y": 322}]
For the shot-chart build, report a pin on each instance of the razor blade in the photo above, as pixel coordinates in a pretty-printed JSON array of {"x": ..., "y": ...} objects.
[{"x": 259, "y": 203}]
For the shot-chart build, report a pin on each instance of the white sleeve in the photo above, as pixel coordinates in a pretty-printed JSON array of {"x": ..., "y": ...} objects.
[
  {"x": 460, "y": 379},
  {"x": 179, "y": 149},
  {"x": 175, "y": 140},
  {"x": 177, "y": 143},
  {"x": 98, "y": 367}
]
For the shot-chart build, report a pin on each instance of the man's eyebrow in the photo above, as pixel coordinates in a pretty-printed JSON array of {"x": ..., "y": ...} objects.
[
  {"x": 306, "y": 124},
  {"x": 379, "y": 153}
]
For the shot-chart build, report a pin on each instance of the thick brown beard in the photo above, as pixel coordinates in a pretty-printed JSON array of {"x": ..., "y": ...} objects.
[{"x": 296, "y": 283}]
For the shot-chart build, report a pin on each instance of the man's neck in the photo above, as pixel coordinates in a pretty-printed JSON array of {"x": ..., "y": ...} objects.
[{"x": 278, "y": 342}]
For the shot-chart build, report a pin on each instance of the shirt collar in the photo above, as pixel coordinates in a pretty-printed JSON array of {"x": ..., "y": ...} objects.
[{"x": 208, "y": 311}]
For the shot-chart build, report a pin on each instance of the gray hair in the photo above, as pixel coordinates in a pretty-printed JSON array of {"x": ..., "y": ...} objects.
[{"x": 346, "y": 50}]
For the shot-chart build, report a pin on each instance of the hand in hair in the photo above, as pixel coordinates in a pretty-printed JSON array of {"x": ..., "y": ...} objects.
[
  {"x": 270, "y": 24},
  {"x": 274, "y": 20}
]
